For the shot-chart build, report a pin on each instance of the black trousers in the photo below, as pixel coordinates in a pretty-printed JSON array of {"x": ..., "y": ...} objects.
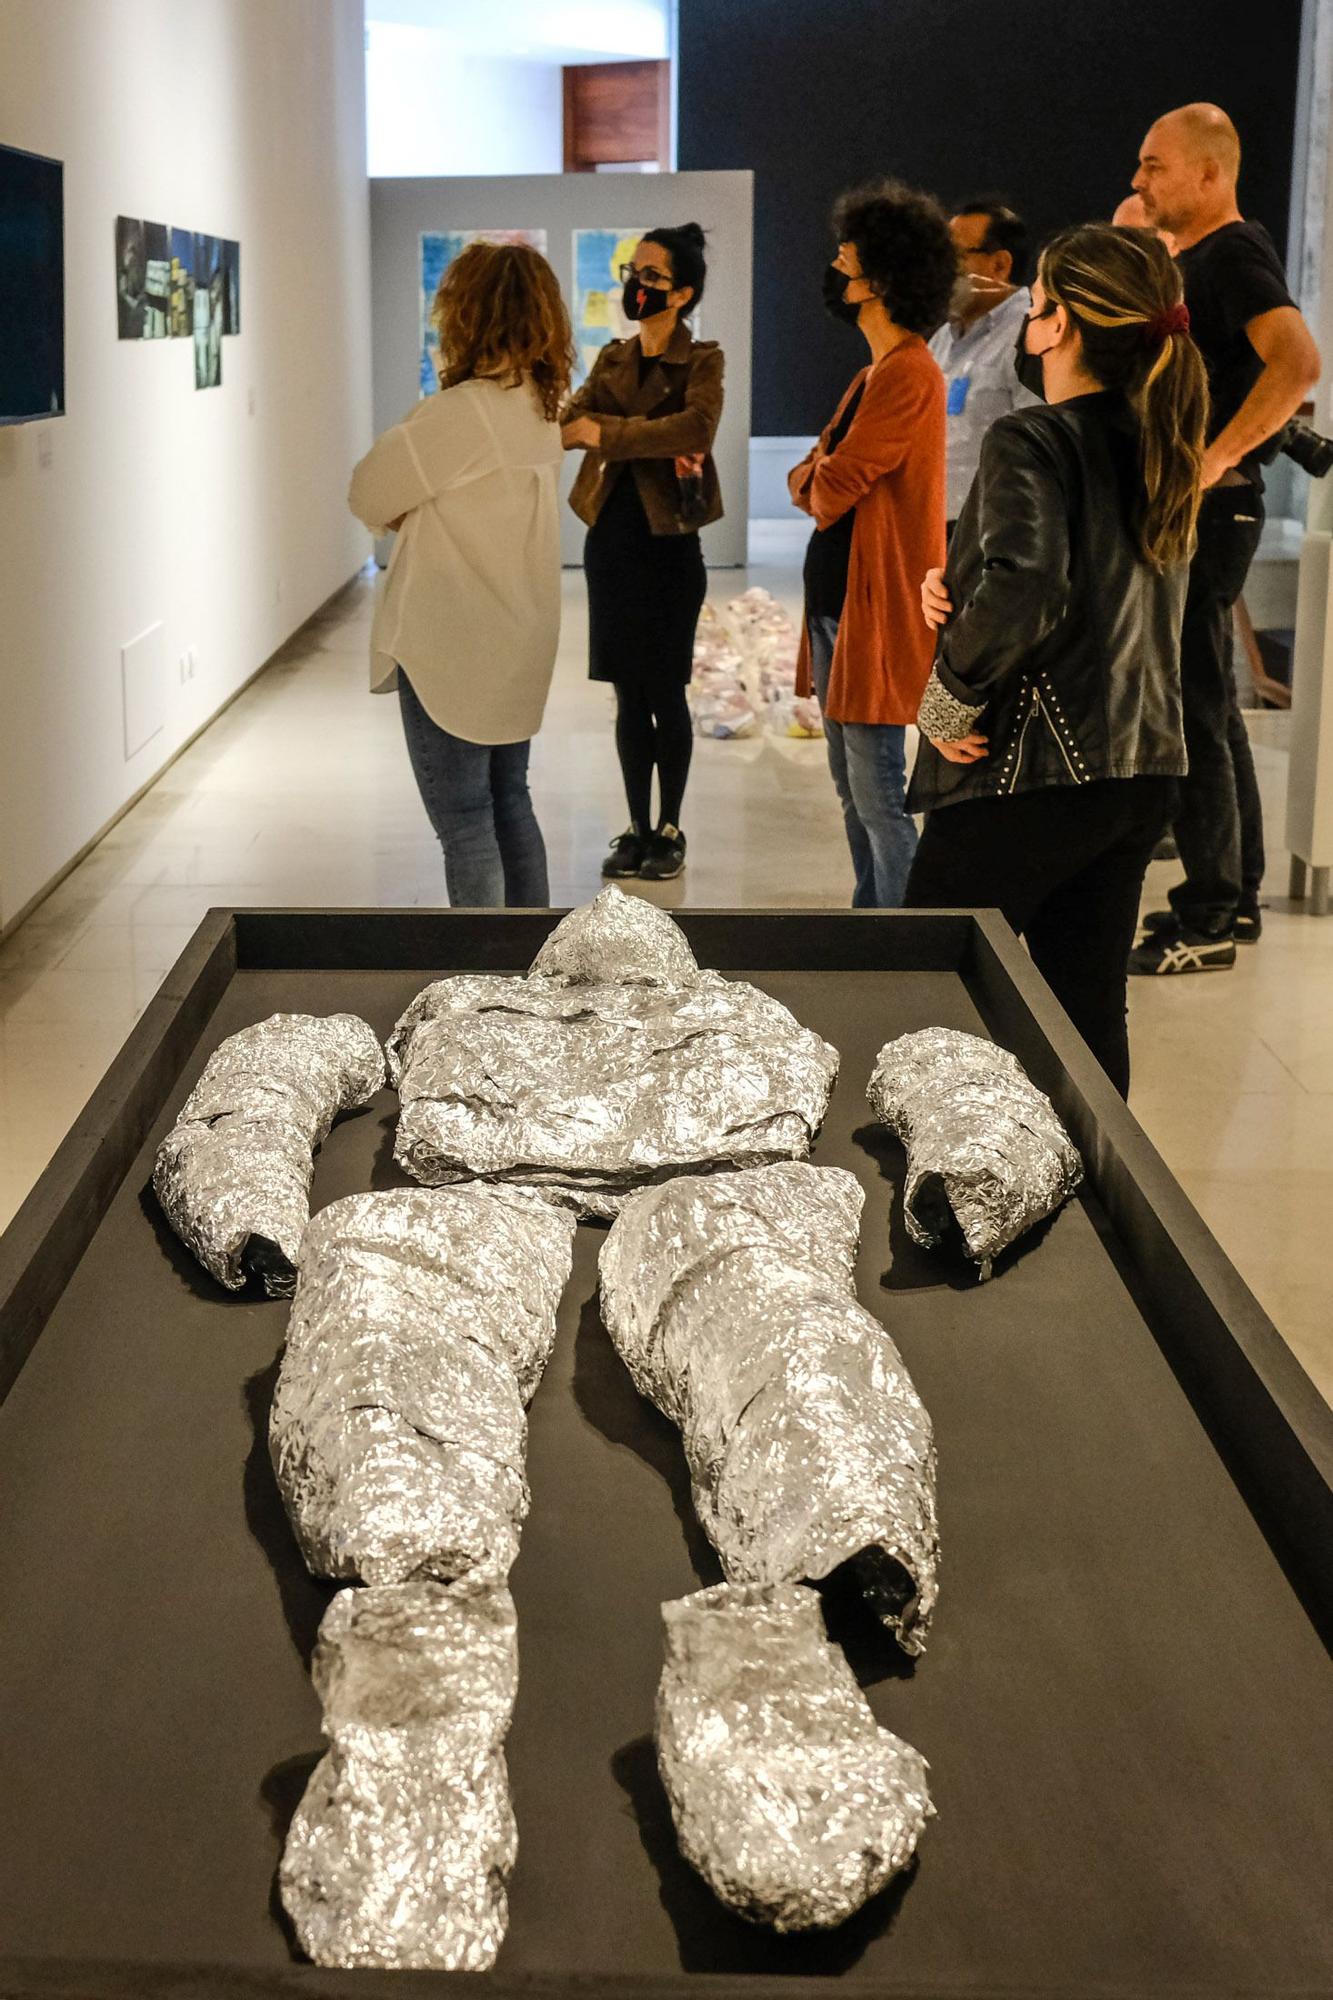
[
  {"x": 1065, "y": 865},
  {"x": 1220, "y": 823}
]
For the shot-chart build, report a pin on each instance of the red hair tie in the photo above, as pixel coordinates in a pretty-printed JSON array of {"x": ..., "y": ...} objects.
[{"x": 1161, "y": 325}]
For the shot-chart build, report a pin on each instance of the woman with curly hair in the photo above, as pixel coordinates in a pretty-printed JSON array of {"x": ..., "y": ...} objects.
[
  {"x": 874, "y": 486},
  {"x": 469, "y": 618}
]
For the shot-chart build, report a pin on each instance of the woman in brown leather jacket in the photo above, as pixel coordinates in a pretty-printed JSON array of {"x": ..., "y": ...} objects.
[{"x": 647, "y": 417}]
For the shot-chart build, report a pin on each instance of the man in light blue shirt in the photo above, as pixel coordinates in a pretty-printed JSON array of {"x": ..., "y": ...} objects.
[{"x": 975, "y": 346}]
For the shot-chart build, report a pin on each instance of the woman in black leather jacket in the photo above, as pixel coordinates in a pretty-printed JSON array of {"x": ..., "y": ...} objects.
[{"x": 1051, "y": 724}]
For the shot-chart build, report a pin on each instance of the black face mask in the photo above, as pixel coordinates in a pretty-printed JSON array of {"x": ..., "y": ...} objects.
[
  {"x": 1027, "y": 366},
  {"x": 644, "y": 301},
  {"x": 836, "y": 300}
]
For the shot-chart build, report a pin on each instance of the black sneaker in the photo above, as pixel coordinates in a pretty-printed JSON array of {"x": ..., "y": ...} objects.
[
  {"x": 1182, "y": 951},
  {"x": 626, "y": 855},
  {"x": 1247, "y": 929},
  {"x": 665, "y": 856}
]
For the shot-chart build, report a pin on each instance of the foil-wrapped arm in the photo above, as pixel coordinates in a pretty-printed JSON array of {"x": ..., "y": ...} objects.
[
  {"x": 400, "y": 1853},
  {"x": 985, "y": 1150},
  {"x": 790, "y": 1800},
  {"x": 233, "y": 1174},
  {"x": 420, "y": 1329},
  {"x": 731, "y": 1300}
]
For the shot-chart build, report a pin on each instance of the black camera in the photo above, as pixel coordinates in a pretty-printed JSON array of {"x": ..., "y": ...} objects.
[{"x": 1313, "y": 453}]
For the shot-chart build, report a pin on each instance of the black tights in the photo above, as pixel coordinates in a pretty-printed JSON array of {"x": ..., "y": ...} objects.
[{"x": 653, "y": 731}]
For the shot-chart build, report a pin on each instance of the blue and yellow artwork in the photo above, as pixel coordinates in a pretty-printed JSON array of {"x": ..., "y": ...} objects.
[{"x": 439, "y": 247}]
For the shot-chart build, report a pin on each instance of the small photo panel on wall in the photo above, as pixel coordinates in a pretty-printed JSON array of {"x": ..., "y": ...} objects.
[
  {"x": 207, "y": 312},
  {"x": 181, "y": 285},
  {"x": 231, "y": 286},
  {"x": 439, "y": 247},
  {"x": 599, "y": 316},
  {"x": 142, "y": 279}
]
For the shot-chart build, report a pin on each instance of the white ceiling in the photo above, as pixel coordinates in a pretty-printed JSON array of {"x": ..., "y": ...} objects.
[{"x": 565, "y": 31}]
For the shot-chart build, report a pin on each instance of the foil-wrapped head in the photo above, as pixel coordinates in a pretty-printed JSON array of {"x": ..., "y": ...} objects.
[
  {"x": 233, "y": 1174},
  {"x": 400, "y": 1853},
  {"x": 790, "y": 1800},
  {"x": 587, "y": 1090},
  {"x": 422, "y": 1323},
  {"x": 985, "y": 1150},
  {"x": 731, "y": 1299},
  {"x": 618, "y": 940}
]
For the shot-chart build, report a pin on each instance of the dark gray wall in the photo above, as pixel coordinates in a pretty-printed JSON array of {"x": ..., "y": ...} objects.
[
  {"x": 1043, "y": 100},
  {"x": 560, "y": 203}
]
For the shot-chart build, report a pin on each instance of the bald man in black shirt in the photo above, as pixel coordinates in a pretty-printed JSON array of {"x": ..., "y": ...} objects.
[{"x": 1262, "y": 363}]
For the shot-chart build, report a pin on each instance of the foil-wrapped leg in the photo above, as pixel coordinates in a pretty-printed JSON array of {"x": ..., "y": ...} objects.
[
  {"x": 618, "y": 940},
  {"x": 790, "y": 1800},
  {"x": 587, "y": 1091},
  {"x": 400, "y": 1853},
  {"x": 233, "y": 1174},
  {"x": 985, "y": 1149},
  {"x": 420, "y": 1329},
  {"x": 732, "y": 1301}
]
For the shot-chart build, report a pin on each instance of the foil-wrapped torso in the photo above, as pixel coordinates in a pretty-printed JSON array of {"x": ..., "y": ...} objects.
[
  {"x": 614, "y": 1064},
  {"x": 731, "y": 1300},
  {"x": 233, "y": 1174},
  {"x": 422, "y": 1322},
  {"x": 985, "y": 1149},
  {"x": 787, "y": 1796},
  {"x": 400, "y": 1853}
]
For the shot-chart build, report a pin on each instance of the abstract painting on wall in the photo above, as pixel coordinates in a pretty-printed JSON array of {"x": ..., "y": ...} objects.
[
  {"x": 175, "y": 282},
  {"x": 231, "y": 286},
  {"x": 599, "y": 316},
  {"x": 180, "y": 290},
  {"x": 142, "y": 279},
  {"x": 207, "y": 312},
  {"x": 439, "y": 247}
]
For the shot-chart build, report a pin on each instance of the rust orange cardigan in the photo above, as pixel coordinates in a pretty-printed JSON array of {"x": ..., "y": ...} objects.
[{"x": 890, "y": 467}]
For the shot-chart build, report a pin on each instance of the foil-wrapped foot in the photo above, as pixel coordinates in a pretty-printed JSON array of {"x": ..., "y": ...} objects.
[
  {"x": 985, "y": 1149},
  {"x": 789, "y": 1799},
  {"x": 586, "y": 1088},
  {"x": 420, "y": 1329},
  {"x": 233, "y": 1174},
  {"x": 400, "y": 1853},
  {"x": 618, "y": 940},
  {"x": 731, "y": 1299}
]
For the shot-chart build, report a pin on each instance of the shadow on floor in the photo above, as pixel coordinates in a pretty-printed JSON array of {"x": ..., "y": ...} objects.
[
  {"x": 304, "y": 1598},
  {"x": 608, "y": 1399}
]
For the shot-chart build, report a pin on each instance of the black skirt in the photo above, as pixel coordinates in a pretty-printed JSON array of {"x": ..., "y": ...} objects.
[{"x": 645, "y": 593}]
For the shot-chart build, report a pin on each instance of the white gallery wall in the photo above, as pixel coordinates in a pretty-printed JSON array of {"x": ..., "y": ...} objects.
[
  {"x": 218, "y": 514},
  {"x": 436, "y": 108}
]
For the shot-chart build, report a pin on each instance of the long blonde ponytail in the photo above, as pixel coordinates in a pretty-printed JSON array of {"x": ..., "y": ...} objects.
[{"x": 1123, "y": 291}]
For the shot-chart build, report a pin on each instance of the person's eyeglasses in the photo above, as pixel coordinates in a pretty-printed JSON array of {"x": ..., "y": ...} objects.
[
  {"x": 631, "y": 272},
  {"x": 1041, "y": 312}
]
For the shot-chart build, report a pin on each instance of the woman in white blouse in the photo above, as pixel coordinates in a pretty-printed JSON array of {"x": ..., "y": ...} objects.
[{"x": 469, "y": 617}]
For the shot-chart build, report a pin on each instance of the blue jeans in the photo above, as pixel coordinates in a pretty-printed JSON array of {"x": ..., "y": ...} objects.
[
  {"x": 476, "y": 797},
  {"x": 869, "y": 767}
]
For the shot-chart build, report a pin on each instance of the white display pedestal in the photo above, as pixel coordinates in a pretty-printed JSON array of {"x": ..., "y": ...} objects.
[{"x": 1310, "y": 765}]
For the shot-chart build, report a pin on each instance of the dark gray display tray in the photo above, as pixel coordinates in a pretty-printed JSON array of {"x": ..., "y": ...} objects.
[{"x": 1126, "y": 1703}]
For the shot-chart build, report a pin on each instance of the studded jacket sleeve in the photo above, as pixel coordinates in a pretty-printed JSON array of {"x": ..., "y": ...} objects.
[{"x": 1022, "y": 502}]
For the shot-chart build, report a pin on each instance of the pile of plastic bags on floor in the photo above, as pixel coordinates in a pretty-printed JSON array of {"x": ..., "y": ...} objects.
[{"x": 744, "y": 677}]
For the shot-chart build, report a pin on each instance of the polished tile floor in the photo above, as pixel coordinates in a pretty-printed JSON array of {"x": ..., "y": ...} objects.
[{"x": 300, "y": 793}]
